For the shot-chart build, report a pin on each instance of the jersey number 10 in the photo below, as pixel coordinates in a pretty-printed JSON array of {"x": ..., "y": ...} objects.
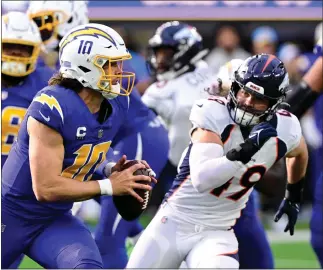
[{"x": 88, "y": 158}]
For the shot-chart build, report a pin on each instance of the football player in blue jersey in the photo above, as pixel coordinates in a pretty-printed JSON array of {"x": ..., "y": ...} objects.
[
  {"x": 308, "y": 90},
  {"x": 54, "y": 19},
  {"x": 21, "y": 80},
  {"x": 64, "y": 137}
]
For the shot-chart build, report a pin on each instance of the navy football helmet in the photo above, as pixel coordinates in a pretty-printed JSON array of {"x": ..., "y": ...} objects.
[
  {"x": 265, "y": 76},
  {"x": 185, "y": 46}
]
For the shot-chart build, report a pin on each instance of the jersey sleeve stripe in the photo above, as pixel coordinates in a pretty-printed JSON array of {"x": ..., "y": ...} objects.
[
  {"x": 281, "y": 149},
  {"x": 227, "y": 133}
]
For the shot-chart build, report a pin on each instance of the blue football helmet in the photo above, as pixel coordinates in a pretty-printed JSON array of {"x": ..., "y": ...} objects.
[
  {"x": 184, "y": 46},
  {"x": 265, "y": 76}
]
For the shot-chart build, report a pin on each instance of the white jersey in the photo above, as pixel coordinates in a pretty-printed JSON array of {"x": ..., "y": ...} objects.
[
  {"x": 219, "y": 208},
  {"x": 173, "y": 101}
]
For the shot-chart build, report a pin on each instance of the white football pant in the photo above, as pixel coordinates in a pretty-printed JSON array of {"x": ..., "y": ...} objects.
[{"x": 166, "y": 242}]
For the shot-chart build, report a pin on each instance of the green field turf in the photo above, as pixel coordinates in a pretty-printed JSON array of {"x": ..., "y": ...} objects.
[{"x": 287, "y": 255}]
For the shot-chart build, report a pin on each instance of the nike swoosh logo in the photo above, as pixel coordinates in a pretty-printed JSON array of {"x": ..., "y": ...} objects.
[
  {"x": 200, "y": 105},
  {"x": 45, "y": 118},
  {"x": 256, "y": 134}
]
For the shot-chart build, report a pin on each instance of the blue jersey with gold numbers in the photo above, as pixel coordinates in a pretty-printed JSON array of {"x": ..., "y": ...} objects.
[
  {"x": 86, "y": 142},
  {"x": 15, "y": 101}
]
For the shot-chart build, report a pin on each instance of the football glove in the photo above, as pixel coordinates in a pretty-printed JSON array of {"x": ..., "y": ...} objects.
[
  {"x": 258, "y": 136},
  {"x": 291, "y": 205}
]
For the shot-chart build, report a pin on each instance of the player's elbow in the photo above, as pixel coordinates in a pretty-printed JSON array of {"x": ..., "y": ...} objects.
[
  {"x": 196, "y": 181},
  {"x": 44, "y": 194},
  {"x": 45, "y": 197}
]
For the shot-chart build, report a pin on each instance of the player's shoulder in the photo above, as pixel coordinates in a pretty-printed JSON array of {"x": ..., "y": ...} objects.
[
  {"x": 57, "y": 92},
  {"x": 210, "y": 113},
  {"x": 53, "y": 102},
  {"x": 286, "y": 121},
  {"x": 288, "y": 128}
]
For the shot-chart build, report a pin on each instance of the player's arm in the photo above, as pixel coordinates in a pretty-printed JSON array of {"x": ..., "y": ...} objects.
[
  {"x": 46, "y": 154},
  {"x": 273, "y": 182},
  {"x": 307, "y": 90},
  {"x": 209, "y": 167},
  {"x": 314, "y": 77},
  {"x": 296, "y": 164}
]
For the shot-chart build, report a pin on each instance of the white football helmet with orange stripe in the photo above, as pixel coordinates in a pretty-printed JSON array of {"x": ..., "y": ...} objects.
[
  {"x": 21, "y": 43},
  {"x": 86, "y": 49},
  {"x": 56, "y": 18}
]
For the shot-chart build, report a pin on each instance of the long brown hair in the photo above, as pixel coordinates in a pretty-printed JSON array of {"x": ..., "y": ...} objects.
[{"x": 73, "y": 84}]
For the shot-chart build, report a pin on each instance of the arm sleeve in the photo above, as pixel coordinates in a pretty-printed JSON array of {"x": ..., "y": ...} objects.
[{"x": 209, "y": 167}]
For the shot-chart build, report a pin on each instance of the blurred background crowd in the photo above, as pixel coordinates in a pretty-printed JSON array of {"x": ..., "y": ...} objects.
[{"x": 291, "y": 40}]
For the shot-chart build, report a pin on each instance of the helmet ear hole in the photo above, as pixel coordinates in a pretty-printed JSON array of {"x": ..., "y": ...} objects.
[{"x": 84, "y": 69}]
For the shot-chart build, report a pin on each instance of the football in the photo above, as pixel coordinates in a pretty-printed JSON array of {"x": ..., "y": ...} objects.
[{"x": 128, "y": 206}]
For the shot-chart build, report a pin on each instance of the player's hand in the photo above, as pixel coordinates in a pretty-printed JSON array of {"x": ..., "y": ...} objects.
[
  {"x": 117, "y": 167},
  {"x": 123, "y": 160},
  {"x": 257, "y": 138},
  {"x": 291, "y": 209},
  {"x": 262, "y": 133},
  {"x": 124, "y": 182},
  {"x": 150, "y": 171}
]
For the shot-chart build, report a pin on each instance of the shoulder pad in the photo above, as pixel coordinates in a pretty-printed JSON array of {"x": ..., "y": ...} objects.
[
  {"x": 288, "y": 129},
  {"x": 48, "y": 108},
  {"x": 211, "y": 114}
]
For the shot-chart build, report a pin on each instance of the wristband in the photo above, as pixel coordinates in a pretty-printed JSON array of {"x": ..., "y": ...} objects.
[
  {"x": 105, "y": 187},
  {"x": 294, "y": 191},
  {"x": 107, "y": 169}
]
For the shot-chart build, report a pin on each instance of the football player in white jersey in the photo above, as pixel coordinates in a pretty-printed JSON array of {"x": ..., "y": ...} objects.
[
  {"x": 234, "y": 142},
  {"x": 253, "y": 240},
  {"x": 175, "y": 58}
]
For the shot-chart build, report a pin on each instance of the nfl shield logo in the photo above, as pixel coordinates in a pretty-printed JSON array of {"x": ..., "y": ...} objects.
[
  {"x": 164, "y": 220},
  {"x": 100, "y": 133}
]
